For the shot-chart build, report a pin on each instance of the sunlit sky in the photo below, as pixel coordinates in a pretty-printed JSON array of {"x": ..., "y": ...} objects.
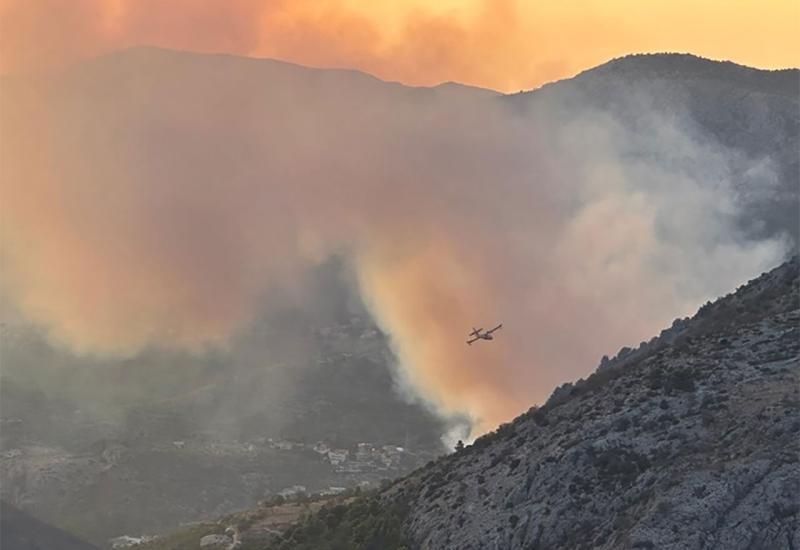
[{"x": 501, "y": 44}]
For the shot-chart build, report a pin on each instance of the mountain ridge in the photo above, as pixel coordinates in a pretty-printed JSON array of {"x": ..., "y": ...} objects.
[
  {"x": 646, "y": 64},
  {"x": 659, "y": 65}
]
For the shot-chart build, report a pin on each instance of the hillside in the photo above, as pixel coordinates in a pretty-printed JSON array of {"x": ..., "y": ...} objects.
[
  {"x": 20, "y": 531},
  {"x": 694, "y": 444},
  {"x": 197, "y": 445}
]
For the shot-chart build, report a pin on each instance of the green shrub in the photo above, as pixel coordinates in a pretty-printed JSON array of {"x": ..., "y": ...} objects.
[{"x": 365, "y": 524}]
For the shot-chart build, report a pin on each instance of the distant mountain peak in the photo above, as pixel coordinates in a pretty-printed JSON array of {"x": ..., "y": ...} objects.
[{"x": 649, "y": 64}]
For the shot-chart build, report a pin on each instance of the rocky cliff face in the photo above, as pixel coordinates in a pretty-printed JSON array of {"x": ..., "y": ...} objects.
[{"x": 691, "y": 444}]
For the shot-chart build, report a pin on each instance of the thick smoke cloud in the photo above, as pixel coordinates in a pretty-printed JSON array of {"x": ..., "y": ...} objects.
[{"x": 154, "y": 198}]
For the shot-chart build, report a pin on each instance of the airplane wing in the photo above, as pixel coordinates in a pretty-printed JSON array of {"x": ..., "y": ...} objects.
[
  {"x": 473, "y": 340},
  {"x": 495, "y": 328}
]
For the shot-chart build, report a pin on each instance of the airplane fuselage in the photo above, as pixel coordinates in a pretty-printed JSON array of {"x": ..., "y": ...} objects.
[{"x": 476, "y": 334}]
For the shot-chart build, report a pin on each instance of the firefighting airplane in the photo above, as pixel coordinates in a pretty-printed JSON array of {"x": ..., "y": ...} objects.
[{"x": 485, "y": 335}]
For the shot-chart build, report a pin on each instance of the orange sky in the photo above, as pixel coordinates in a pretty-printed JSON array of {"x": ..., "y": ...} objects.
[{"x": 502, "y": 44}]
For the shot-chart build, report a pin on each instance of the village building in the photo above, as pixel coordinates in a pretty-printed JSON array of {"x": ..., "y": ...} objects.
[{"x": 338, "y": 456}]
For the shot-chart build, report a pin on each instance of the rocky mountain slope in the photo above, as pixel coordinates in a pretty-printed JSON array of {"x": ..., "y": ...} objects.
[{"x": 695, "y": 443}]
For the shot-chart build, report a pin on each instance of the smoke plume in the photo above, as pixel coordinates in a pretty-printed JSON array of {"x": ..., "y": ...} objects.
[{"x": 154, "y": 198}]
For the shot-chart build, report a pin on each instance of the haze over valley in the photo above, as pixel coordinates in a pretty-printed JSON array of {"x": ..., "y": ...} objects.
[{"x": 229, "y": 279}]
